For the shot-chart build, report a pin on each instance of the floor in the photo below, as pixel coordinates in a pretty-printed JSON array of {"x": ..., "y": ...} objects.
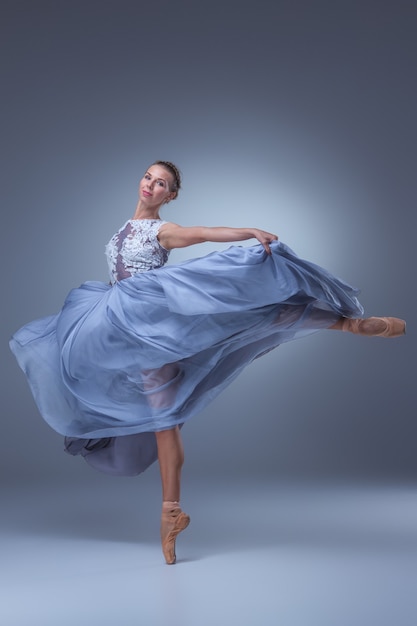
[{"x": 255, "y": 554}]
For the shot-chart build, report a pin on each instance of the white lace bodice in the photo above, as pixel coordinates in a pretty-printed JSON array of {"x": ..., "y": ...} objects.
[{"x": 135, "y": 248}]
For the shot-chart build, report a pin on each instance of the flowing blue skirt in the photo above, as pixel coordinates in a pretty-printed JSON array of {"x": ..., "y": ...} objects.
[{"x": 120, "y": 362}]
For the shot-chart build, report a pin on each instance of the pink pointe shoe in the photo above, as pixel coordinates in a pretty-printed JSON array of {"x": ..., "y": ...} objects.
[
  {"x": 375, "y": 326},
  {"x": 173, "y": 521}
]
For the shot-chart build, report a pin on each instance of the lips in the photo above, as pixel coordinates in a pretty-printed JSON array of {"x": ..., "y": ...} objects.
[{"x": 147, "y": 194}]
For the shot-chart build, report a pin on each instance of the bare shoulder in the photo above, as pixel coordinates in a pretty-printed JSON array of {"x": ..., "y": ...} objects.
[
  {"x": 173, "y": 235},
  {"x": 167, "y": 226},
  {"x": 166, "y": 230},
  {"x": 165, "y": 233}
]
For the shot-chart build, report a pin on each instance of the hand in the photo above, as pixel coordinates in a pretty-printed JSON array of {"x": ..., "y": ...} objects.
[{"x": 264, "y": 238}]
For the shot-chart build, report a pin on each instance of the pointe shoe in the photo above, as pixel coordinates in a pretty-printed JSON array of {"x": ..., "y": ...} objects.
[
  {"x": 173, "y": 521},
  {"x": 375, "y": 326}
]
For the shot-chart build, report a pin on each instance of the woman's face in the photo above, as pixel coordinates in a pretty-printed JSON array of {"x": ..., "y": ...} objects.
[{"x": 154, "y": 187}]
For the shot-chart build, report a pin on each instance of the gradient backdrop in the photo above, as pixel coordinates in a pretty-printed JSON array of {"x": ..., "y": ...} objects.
[{"x": 298, "y": 117}]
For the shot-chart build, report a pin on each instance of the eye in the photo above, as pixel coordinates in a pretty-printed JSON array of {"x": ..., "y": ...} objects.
[
  {"x": 147, "y": 176},
  {"x": 160, "y": 183}
]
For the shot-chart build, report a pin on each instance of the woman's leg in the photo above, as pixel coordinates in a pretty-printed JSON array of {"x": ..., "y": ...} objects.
[
  {"x": 371, "y": 326},
  {"x": 171, "y": 460}
]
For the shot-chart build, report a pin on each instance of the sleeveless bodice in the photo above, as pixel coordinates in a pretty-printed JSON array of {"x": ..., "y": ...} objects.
[{"x": 135, "y": 248}]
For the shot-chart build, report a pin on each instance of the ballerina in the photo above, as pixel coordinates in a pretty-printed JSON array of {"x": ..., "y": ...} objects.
[{"x": 123, "y": 366}]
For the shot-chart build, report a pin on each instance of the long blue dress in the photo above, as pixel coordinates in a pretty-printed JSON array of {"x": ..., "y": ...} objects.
[{"x": 153, "y": 348}]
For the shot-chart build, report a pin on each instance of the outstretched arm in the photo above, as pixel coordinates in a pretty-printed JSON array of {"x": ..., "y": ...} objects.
[{"x": 173, "y": 236}]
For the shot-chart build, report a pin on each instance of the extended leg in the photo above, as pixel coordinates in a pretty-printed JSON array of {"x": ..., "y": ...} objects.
[
  {"x": 372, "y": 326},
  {"x": 171, "y": 459}
]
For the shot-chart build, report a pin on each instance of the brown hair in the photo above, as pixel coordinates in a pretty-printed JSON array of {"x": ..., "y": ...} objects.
[{"x": 172, "y": 169}]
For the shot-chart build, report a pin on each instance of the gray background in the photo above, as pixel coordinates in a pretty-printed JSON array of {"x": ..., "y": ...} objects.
[{"x": 294, "y": 116}]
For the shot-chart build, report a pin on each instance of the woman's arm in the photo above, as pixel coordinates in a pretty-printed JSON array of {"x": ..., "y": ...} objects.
[{"x": 173, "y": 236}]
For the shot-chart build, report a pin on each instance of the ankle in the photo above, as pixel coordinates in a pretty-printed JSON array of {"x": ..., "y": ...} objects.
[{"x": 170, "y": 504}]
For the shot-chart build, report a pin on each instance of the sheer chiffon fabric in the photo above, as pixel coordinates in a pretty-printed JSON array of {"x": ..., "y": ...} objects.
[{"x": 120, "y": 362}]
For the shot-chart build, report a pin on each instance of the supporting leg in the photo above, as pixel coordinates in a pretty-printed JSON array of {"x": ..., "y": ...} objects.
[{"x": 171, "y": 459}]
